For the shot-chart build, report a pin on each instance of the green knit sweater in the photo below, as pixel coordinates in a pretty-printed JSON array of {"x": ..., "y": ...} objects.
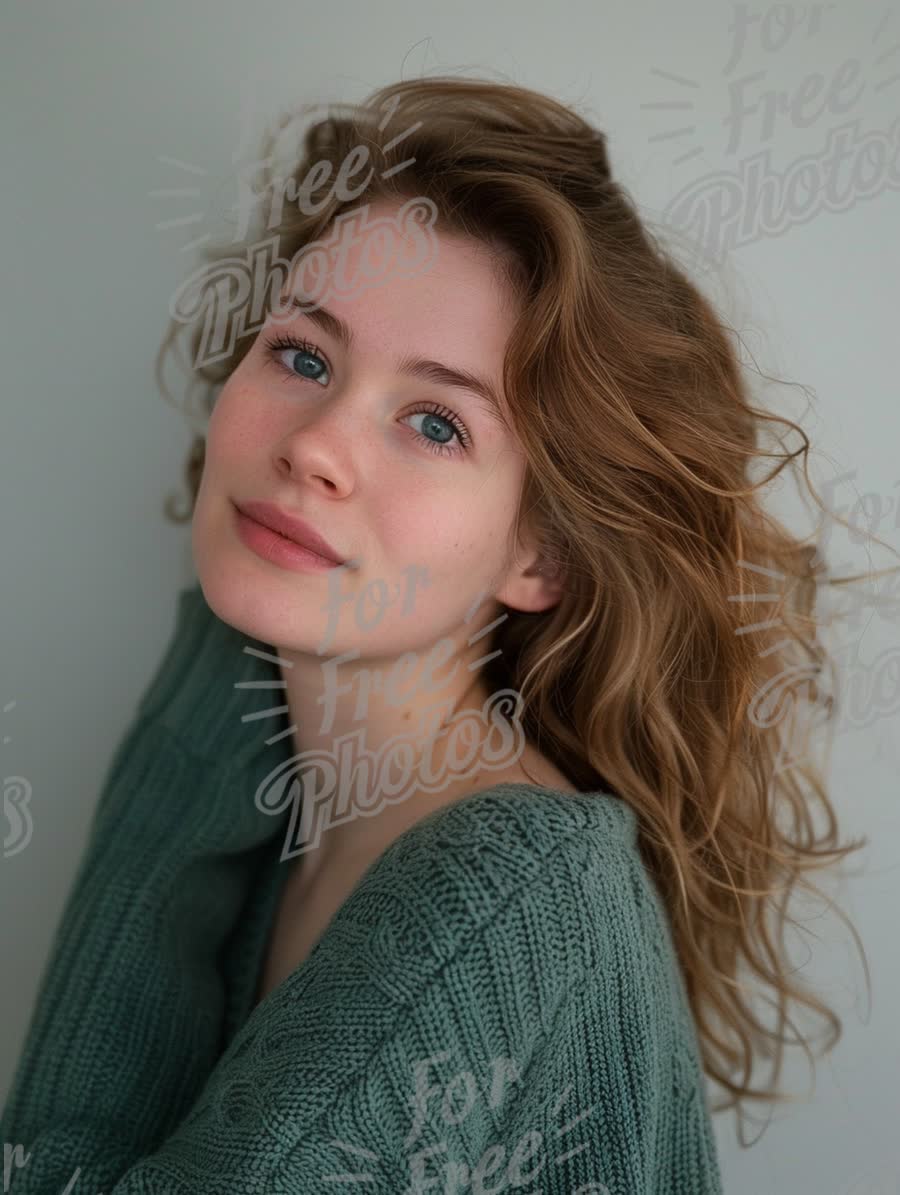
[{"x": 496, "y": 1007}]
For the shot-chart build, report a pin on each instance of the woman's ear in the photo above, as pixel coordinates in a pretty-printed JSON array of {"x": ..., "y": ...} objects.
[{"x": 534, "y": 586}]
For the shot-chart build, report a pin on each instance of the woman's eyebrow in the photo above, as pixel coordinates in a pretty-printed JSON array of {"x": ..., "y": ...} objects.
[{"x": 411, "y": 366}]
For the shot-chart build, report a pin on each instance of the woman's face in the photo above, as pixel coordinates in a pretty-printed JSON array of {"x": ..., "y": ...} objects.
[{"x": 415, "y": 480}]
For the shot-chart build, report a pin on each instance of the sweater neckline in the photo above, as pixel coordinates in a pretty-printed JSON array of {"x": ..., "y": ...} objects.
[{"x": 616, "y": 816}]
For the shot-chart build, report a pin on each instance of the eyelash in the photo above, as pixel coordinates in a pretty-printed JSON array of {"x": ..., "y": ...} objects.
[{"x": 280, "y": 344}]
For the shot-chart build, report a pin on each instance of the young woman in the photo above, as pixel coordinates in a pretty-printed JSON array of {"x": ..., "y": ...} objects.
[{"x": 461, "y": 904}]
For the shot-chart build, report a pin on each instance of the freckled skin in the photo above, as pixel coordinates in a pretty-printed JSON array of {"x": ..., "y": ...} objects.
[{"x": 342, "y": 452}]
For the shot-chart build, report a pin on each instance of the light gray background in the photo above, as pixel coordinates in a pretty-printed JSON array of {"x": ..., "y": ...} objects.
[{"x": 95, "y": 95}]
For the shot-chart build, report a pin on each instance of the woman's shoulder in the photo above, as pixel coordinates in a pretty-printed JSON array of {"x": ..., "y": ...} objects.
[
  {"x": 518, "y": 820},
  {"x": 507, "y": 854}
]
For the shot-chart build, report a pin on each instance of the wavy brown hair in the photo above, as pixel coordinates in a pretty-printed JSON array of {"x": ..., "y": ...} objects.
[{"x": 685, "y": 636}]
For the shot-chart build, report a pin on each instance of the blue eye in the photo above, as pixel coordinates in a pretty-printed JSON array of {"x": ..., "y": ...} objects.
[
  {"x": 436, "y": 415},
  {"x": 300, "y": 348}
]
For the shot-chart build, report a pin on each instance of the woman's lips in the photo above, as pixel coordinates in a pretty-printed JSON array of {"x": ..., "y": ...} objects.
[
  {"x": 277, "y": 549},
  {"x": 291, "y": 527}
]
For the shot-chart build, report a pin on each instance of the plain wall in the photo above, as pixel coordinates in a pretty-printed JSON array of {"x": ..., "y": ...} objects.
[{"x": 99, "y": 101}]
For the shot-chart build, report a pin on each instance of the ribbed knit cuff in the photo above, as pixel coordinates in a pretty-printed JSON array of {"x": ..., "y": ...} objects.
[{"x": 212, "y": 689}]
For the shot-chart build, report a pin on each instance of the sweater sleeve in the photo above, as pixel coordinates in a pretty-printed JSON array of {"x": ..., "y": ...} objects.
[
  {"x": 127, "y": 1023},
  {"x": 428, "y": 1043}
]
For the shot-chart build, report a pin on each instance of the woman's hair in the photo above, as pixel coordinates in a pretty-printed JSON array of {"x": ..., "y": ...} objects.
[{"x": 685, "y": 633}]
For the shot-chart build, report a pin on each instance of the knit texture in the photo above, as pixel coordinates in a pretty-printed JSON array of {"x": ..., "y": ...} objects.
[{"x": 496, "y": 1007}]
